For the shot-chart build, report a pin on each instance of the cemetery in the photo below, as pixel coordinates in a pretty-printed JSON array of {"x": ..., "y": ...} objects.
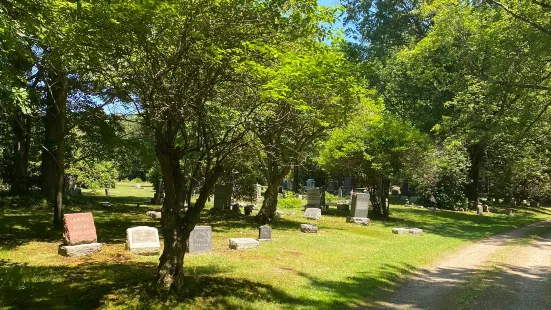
[
  {"x": 275, "y": 154},
  {"x": 295, "y": 268}
]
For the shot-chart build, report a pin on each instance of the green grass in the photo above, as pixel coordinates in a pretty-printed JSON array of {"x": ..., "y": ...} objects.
[{"x": 343, "y": 266}]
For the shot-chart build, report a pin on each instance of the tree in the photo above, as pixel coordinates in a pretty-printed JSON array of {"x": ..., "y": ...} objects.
[
  {"x": 312, "y": 89},
  {"x": 377, "y": 148},
  {"x": 188, "y": 69}
]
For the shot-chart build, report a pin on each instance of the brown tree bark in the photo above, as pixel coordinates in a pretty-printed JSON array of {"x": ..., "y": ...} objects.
[
  {"x": 53, "y": 156},
  {"x": 269, "y": 205},
  {"x": 177, "y": 223},
  {"x": 476, "y": 153},
  {"x": 21, "y": 128}
]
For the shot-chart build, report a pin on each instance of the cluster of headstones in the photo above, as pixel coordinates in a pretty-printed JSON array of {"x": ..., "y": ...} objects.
[{"x": 80, "y": 238}]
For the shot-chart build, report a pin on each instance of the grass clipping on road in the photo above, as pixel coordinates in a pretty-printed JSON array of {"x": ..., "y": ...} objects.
[{"x": 342, "y": 266}]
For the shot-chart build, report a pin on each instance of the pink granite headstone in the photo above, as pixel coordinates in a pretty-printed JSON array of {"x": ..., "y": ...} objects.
[{"x": 79, "y": 228}]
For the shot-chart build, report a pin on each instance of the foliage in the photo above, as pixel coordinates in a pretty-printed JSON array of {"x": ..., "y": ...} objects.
[
  {"x": 290, "y": 202},
  {"x": 444, "y": 178},
  {"x": 94, "y": 174}
]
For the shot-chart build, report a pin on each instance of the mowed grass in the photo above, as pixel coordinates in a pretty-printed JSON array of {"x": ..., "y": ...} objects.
[{"x": 341, "y": 267}]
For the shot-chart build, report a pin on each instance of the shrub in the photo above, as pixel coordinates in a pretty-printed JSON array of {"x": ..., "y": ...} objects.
[{"x": 290, "y": 203}]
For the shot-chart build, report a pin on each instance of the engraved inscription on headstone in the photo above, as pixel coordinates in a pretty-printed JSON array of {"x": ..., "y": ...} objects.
[
  {"x": 314, "y": 197},
  {"x": 79, "y": 228},
  {"x": 143, "y": 240},
  {"x": 200, "y": 240}
]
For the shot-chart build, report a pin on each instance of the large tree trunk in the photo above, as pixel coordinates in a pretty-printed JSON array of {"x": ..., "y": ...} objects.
[
  {"x": 476, "y": 152},
  {"x": 53, "y": 156},
  {"x": 269, "y": 205},
  {"x": 177, "y": 223},
  {"x": 21, "y": 127}
]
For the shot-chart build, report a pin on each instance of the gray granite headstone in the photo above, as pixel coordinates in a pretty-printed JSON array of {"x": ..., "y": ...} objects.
[
  {"x": 264, "y": 233},
  {"x": 222, "y": 197},
  {"x": 243, "y": 243},
  {"x": 200, "y": 240},
  {"x": 360, "y": 205},
  {"x": 312, "y": 213},
  {"x": 309, "y": 228},
  {"x": 313, "y": 197}
]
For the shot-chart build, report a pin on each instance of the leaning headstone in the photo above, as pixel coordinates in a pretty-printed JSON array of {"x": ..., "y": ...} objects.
[
  {"x": 309, "y": 228},
  {"x": 243, "y": 243},
  {"x": 313, "y": 197},
  {"x": 200, "y": 240},
  {"x": 143, "y": 240},
  {"x": 265, "y": 233},
  {"x": 312, "y": 213},
  {"x": 79, "y": 236}
]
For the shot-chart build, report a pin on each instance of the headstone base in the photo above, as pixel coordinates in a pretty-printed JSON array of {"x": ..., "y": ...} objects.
[
  {"x": 358, "y": 220},
  {"x": 243, "y": 243},
  {"x": 79, "y": 250},
  {"x": 145, "y": 251},
  {"x": 413, "y": 231},
  {"x": 309, "y": 228}
]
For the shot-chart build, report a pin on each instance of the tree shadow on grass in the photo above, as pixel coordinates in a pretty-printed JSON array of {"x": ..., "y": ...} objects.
[
  {"x": 92, "y": 285},
  {"x": 459, "y": 225}
]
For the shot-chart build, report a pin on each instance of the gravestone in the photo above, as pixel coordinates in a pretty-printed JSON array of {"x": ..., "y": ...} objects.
[
  {"x": 138, "y": 186},
  {"x": 343, "y": 207},
  {"x": 309, "y": 228},
  {"x": 243, "y": 243},
  {"x": 534, "y": 204},
  {"x": 479, "y": 209},
  {"x": 258, "y": 192},
  {"x": 222, "y": 197},
  {"x": 359, "y": 209},
  {"x": 79, "y": 228},
  {"x": 360, "y": 205},
  {"x": 154, "y": 214},
  {"x": 313, "y": 197},
  {"x": 200, "y": 240},
  {"x": 312, "y": 213},
  {"x": 413, "y": 231},
  {"x": 79, "y": 236},
  {"x": 248, "y": 209},
  {"x": 159, "y": 197},
  {"x": 485, "y": 208},
  {"x": 143, "y": 240},
  {"x": 77, "y": 191},
  {"x": 264, "y": 233},
  {"x": 310, "y": 184},
  {"x": 106, "y": 192}
]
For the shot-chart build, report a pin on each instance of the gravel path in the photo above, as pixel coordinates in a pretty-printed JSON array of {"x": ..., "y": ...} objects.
[{"x": 490, "y": 274}]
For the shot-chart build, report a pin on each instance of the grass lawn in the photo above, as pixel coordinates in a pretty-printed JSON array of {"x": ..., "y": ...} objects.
[{"x": 342, "y": 266}]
